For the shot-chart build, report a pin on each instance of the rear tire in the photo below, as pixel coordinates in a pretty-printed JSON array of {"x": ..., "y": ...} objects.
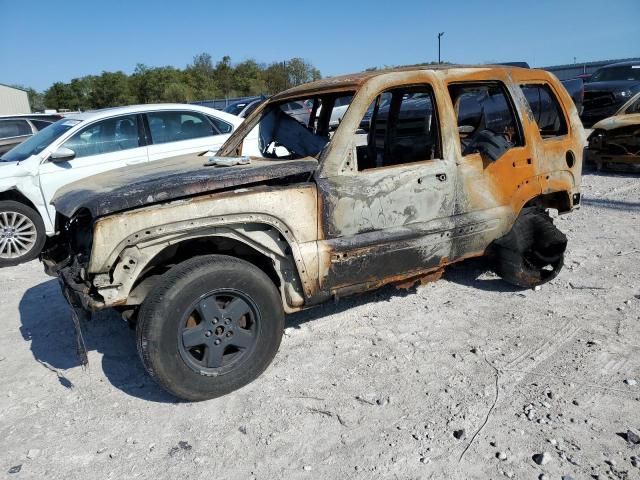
[
  {"x": 532, "y": 253},
  {"x": 211, "y": 325},
  {"x": 22, "y": 233}
]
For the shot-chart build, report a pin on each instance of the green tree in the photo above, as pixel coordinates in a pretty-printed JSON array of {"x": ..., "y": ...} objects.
[
  {"x": 300, "y": 71},
  {"x": 200, "y": 75},
  {"x": 177, "y": 93},
  {"x": 275, "y": 77},
  {"x": 247, "y": 78},
  {"x": 110, "y": 89},
  {"x": 224, "y": 75},
  {"x": 200, "y": 80},
  {"x": 59, "y": 96},
  {"x": 81, "y": 90},
  {"x": 149, "y": 85}
]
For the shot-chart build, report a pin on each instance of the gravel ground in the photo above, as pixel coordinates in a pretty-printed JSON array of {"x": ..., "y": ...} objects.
[{"x": 463, "y": 378}]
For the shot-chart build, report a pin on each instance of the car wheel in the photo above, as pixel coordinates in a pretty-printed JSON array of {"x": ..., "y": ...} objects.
[
  {"x": 22, "y": 233},
  {"x": 210, "y": 326},
  {"x": 532, "y": 253}
]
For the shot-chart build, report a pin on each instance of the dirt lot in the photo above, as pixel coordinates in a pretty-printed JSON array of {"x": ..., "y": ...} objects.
[{"x": 378, "y": 386}]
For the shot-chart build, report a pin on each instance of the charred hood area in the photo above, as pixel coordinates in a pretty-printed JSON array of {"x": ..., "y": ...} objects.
[{"x": 179, "y": 177}]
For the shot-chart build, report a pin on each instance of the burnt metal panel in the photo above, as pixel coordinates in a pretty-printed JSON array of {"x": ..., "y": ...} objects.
[{"x": 162, "y": 181}]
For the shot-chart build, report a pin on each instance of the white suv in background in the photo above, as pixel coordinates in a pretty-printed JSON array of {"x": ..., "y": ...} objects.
[{"x": 86, "y": 144}]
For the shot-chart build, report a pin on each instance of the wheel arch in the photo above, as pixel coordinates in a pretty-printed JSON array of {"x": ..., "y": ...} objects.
[
  {"x": 558, "y": 200},
  {"x": 263, "y": 245},
  {"x": 17, "y": 196}
]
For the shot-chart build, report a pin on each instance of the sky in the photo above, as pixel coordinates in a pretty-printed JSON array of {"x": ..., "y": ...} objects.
[{"x": 44, "y": 41}]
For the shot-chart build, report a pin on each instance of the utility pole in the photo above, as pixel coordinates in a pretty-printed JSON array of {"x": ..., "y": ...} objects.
[
  {"x": 439, "y": 35},
  {"x": 284, "y": 73}
]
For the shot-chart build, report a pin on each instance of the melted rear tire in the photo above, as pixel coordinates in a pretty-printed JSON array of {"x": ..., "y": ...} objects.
[{"x": 532, "y": 253}]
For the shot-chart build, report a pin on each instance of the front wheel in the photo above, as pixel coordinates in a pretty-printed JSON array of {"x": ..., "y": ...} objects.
[
  {"x": 211, "y": 325},
  {"x": 22, "y": 233},
  {"x": 532, "y": 253}
]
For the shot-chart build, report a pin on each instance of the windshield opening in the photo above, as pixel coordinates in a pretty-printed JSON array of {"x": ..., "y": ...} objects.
[
  {"x": 38, "y": 142},
  {"x": 608, "y": 74},
  {"x": 302, "y": 127}
]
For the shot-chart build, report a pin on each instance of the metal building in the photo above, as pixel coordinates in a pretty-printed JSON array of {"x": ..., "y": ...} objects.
[
  {"x": 13, "y": 101},
  {"x": 572, "y": 70}
]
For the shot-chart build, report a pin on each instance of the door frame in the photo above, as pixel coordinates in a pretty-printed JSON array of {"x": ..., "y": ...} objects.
[{"x": 425, "y": 242}]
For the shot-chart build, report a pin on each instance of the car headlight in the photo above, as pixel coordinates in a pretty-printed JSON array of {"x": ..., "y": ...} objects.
[{"x": 628, "y": 93}]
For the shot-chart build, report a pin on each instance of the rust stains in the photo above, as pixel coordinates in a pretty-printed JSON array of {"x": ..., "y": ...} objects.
[{"x": 430, "y": 277}]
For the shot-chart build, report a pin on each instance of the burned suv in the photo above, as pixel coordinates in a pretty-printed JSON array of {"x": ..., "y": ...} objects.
[{"x": 206, "y": 255}]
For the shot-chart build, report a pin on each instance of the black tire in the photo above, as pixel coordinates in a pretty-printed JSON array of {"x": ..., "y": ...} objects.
[
  {"x": 10, "y": 251},
  {"x": 184, "y": 304},
  {"x": 532, "y": 253}
]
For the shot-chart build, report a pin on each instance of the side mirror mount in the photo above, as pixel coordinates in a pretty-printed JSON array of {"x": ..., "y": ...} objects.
[{"x": 62, "y": 154}]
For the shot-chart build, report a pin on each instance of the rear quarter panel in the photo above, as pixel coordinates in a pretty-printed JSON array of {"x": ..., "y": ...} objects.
[{"x": 538, "y": 167}]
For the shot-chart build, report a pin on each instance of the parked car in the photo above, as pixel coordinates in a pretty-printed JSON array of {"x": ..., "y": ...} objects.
[
  {"x": 615, "y": 141},
  {"x": 608, "y": 89},
  {"x": 15, "y": 129},
  {"x": 455, "y": 166},
  {"x": 244, "y": 107},
  {"x": 300, "y": 110},
  {"x": 338, "y": 109},
  {"x": 84, "y": 144}
]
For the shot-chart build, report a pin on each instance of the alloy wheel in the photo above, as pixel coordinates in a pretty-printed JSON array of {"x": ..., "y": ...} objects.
[
  {"x": 17, "y": 234},
  {"x": 218, "y": 331}
]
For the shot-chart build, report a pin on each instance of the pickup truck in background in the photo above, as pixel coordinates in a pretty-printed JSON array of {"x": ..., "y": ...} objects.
[{"x": 608, "y": 89}]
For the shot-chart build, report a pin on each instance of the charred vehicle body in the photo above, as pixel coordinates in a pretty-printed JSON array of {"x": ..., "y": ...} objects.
[
  {"x": 615, "y": 141},
  {"x": 205, "y": 259}
]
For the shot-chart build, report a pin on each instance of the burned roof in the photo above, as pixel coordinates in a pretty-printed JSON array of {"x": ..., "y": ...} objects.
[{"x": 355, "y": 80}]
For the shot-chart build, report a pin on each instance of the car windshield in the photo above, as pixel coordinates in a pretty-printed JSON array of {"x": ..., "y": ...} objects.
[
  {"x": 39, "y": 141},
  {"x": 629, "y": 72}
]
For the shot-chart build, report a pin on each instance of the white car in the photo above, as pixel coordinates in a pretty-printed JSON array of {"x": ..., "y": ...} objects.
[
  {"x": 85, "y": 144},
  {"x": 340, "y": 106}
]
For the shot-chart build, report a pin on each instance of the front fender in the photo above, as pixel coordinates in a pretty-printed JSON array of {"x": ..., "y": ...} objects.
[{"x": 267, "y": 237}]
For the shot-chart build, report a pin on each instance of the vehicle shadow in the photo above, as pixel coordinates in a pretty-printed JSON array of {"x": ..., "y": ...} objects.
[
  {"x": 611, "y": 204},
  {"x": 474, "y": 273},
  {"x": 384, "y": 294},
  {"x": 467, "y": 273},
  {"x": 46, "y": 323},
  {"x": 593, "y": 171}
]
